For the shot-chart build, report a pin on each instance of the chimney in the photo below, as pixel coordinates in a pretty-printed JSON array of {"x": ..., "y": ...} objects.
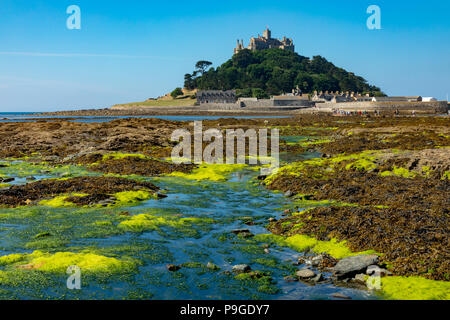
[{"x": 242, "y": 44}]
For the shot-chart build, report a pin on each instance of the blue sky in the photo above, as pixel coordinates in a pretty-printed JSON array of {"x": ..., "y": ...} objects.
[{"x": 132, "y": 50}]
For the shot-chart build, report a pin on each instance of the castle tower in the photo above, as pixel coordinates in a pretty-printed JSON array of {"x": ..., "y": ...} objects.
[{"x": 267, "y": 34}]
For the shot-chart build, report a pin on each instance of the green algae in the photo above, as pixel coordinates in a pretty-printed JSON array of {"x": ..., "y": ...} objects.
[
  {"x": 261, "y": 280},
  {"x": 414, "y": 288},
  {"x": 121, "y": 199},
  {"x": 303, "y": 243},
  {"x": 23, "y": 169},
  {"x": 211, "y": 172},
  {"x": 399, "y": 172},
  {"x": 150, "y": 222},
  {"x": 4, "y": 185},
  {"x": 360, "y": 161},
  {"x": 361, "y": 165},
  {"x": 60, "y": 261},
  {"x": 60, "y": 201},
  {"x": 119, "y": 156},
  {"x": 129, "y": 197}
]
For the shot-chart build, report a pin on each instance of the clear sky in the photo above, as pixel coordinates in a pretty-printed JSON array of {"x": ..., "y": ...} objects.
[{"x": 132, "y": 50}]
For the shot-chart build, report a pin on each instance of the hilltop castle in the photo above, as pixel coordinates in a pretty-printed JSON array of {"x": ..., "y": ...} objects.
[{"x": 266, "y": 42}]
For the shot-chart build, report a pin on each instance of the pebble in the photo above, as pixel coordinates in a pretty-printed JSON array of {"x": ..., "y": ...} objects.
[
  {"x": 272, "y": 220},
  {"x": 376, "y": 270},
  {"x": 288, "y": 194},
  {"x": 241, "y": 268},
  {"x": 305, "y": 274},
  {"x": 318, "y": 278},
  {"x": 212, "y": 266},
  {"x": 338, "y": 295},
  {"x": 360, "y": 278},
  {"x": 173, "y": 267}
]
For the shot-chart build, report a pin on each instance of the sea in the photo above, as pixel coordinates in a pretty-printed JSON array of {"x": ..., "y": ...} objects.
[{"x": 30, "y": 117}]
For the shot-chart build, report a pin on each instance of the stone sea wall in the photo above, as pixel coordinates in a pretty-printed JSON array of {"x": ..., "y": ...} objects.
[{"x": 419, "y": 107}]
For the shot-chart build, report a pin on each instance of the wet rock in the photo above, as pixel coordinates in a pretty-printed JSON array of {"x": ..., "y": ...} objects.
[
  {"x": 360, "y": 278},
  {"x": 31, "y": 178},
  {"x": 350, "y": 266},
  {"x": 305, "y": 274},
  {"x": 288, "y": 194},
  {"x": 272, "y": 220},
  {"x": 173, "y": 267},
  {"x": 6, "y": 180},
  {"x": 238, "y": 231},
  {"x": 317, "y": 260},
  {"x": 377, "y": 271},
  {"x": 43, "y": 235},
  {"x": 241, "y": 268},
  {"x": 212, "y": 266},
  {"x": 262, "y": 177},
  {"x": 338, "y": 295},
  {"x": 161, "y": 196},
  {"x": 266, "y": 251},
  {"x": 246, "y": 235},
  {"x": 318, "y": 278},
  {"x": 65, "y": 175}
]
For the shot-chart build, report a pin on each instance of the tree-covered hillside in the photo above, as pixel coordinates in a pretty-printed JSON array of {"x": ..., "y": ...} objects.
[{"x": 275, "y": 71}]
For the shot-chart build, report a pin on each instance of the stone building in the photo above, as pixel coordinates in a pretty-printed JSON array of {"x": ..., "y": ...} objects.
[
  {"x": 397, "y": 99},
  {"x": 266, "y": 42},
  {"x": 216, "y": 96}
]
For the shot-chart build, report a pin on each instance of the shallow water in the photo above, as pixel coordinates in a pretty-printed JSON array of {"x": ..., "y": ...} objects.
[
  {"x": 229, "y": 204},
  {"x": 26, "y": 117}
]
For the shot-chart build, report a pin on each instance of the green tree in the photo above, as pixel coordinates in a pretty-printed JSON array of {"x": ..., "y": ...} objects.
[
  {"x": 276, "y": 71},
  {"x": 177, "y": 92},
  {"x": 202, "y": 65}
]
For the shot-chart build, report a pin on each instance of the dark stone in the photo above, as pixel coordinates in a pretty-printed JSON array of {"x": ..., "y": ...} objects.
[
  {"x": 241, "y": 268},
  {"x": 350, "y": 266},
  {"x": 173, "y": 267},
  {"x": 238, "y": 231}
]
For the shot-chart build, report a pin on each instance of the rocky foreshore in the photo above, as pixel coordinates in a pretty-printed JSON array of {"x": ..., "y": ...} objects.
[{"x": 375, "y": 203}]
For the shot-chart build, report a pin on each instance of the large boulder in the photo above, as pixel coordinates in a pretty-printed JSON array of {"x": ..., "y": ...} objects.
[{"x": 350, "y": 266}]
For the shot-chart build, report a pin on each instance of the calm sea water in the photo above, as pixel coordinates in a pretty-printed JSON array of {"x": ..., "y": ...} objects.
[{"x": 28, "y": 117}]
